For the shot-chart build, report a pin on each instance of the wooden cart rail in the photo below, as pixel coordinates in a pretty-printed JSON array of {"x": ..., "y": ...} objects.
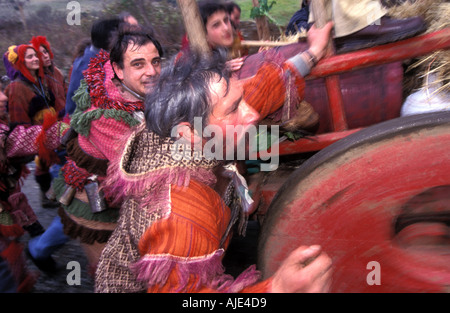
[{"x": 332, "y": 66}]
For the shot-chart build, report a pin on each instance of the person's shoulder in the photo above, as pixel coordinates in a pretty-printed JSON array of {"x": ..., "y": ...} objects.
[{"x": 15, "y": 85}]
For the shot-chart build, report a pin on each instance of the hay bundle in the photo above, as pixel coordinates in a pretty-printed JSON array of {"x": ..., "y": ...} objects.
[{"x": 433, "y": 71}]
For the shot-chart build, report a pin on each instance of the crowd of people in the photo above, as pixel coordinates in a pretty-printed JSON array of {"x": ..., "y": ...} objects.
[{"x": 147, "y": 221}]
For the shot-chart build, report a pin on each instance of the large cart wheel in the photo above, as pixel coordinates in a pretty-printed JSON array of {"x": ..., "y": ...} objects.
[{"x": 378, "y": 202}]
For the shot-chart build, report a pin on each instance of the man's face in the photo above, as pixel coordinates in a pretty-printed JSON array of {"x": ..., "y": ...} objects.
[
  {"x": 45, "y": 56},
  {"x": 218, "y": 30},
  {"x": 141, "y": 68},
  {"x": 231, "y": 110}
]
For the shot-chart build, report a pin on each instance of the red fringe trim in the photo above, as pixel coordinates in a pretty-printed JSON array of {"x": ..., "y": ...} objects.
[
  {"x": 95, "y": 78},
  {"x": 46, "y": 156}
]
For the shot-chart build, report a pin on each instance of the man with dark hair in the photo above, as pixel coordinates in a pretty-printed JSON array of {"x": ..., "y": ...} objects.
[
  {"x": 174, "y": 225},
  {"x": 126, "y": 75},
  {"x": 107, "y": 106}
]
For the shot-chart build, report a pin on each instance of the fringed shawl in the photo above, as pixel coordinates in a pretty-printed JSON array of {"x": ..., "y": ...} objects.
[
  {"x": 143, "y": 176},
  {"x": 155, "y": 270},
  {"x": 146, "y": 169}
]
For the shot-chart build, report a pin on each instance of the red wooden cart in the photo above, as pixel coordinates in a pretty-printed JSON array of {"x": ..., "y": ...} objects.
[{"x": 376, "y": 196}]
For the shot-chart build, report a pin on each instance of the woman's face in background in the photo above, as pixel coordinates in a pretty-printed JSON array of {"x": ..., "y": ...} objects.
[
  {"x": 31, "y": 60},
  {"x": 45, "y": 56}
]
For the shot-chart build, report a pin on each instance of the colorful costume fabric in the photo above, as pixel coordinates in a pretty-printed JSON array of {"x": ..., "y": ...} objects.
[
  {"x": 28, "y": 102},
  {"x": 276, "y": 88},
  {"x": 57, "y": 84},
  {"x": 174, "y": 227},
  {"x": 16, "y": 215},
  {"x": 17, "y": 144},
  {"x": 100, "y": 120}
]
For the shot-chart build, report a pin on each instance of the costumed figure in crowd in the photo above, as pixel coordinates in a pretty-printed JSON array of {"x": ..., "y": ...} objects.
[
  {"x": 42, "y": 247},
  {"x": 18, "y": 146},
  {"x": 29, "y": 99},
  {"x": 28, "y": 94},
  {"x": 108, "y": 102},
  {"x": 174, "y": 225},
  {"x": 55, "y": 78},
  {"x": 57, "y": 84}
]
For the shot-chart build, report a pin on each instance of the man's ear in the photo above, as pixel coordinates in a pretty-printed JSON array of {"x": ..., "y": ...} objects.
[
  {"x": 117, "y": 70},
  {"x": 186, "y": 132}
]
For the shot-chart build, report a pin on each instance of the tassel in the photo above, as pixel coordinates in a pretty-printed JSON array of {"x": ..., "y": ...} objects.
[{"x": 46, "y": 156}]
